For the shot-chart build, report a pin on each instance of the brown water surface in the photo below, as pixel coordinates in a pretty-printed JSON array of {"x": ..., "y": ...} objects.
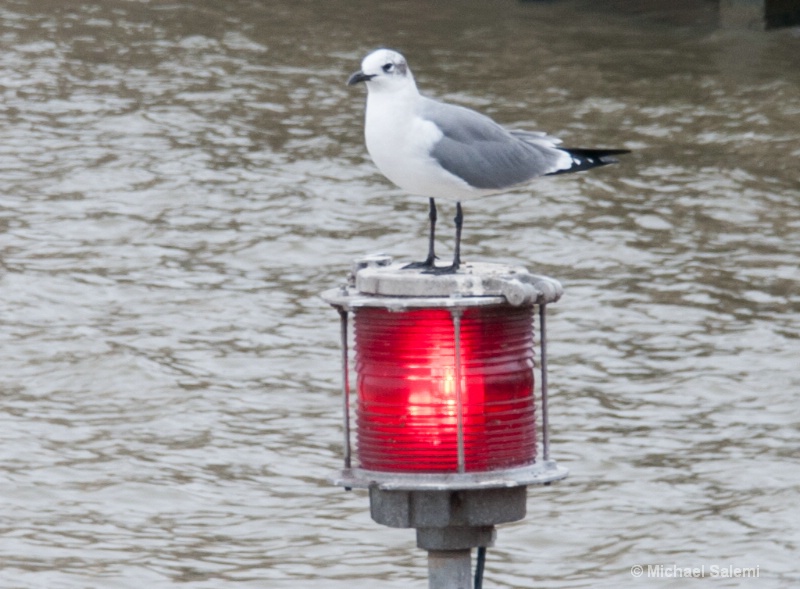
[{"x": 178, "y": 182}]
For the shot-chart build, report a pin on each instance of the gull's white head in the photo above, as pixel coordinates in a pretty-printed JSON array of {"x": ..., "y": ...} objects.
[{"x": 384, "y": 70}]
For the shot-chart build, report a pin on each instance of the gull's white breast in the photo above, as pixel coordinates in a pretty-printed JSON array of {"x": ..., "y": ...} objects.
[{"x": 400, "y": 143}]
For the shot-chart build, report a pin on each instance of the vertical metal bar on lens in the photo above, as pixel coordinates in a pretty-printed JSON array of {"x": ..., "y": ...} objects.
[
  {"x": 543, "y": 367},
  {"x": 456, "y": 314},
  {"x": 345, "y": 387}
]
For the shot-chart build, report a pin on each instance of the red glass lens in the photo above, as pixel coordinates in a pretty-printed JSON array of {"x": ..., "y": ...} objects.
[{"x": 407, "y": 413}]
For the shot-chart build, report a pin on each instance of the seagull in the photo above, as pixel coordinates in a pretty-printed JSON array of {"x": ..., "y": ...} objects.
[{"x": 439, "y": 150}]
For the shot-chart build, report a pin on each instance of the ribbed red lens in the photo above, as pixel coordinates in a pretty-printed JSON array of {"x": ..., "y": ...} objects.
[{"x": 407, "y": 414}]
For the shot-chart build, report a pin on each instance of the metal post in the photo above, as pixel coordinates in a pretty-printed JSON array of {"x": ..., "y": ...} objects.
[
  {"x": 456, "y": 314},
  {"x": 543, "y": 362},
  {"x": 449, "y": 569},
  {"x": 345, "y": 388}
]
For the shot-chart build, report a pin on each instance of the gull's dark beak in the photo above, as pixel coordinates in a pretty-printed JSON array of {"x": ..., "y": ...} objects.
[{"x": 357, "y": 77}]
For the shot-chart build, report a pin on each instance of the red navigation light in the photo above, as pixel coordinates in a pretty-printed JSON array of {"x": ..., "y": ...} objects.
[
  {"x": 446, "y": 417},
  {"x": 407, "y": 365}
]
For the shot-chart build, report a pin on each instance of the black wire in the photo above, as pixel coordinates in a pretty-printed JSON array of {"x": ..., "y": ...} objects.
[{"x": 479, "y": 567}]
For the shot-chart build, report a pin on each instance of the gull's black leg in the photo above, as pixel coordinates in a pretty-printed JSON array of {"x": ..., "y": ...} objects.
[
  {"x": 453, "y": 268},
  {"x": 430, "y": 261},
  {"x": 459, "y": 223},
  {"x": 432, "y": 217}
]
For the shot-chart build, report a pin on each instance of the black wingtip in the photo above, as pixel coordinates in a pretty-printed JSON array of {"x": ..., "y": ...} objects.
[{"x": 586, "y": 159}]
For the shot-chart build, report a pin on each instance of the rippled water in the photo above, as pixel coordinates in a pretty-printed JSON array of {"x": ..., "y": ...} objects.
[{"x": 179, "y": 181}]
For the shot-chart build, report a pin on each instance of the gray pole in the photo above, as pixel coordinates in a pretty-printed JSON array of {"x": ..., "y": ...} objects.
[{"x": 449, "y": 569}]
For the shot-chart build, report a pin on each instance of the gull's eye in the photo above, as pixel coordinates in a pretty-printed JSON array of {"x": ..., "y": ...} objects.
[{"x": 388, "y": 67}]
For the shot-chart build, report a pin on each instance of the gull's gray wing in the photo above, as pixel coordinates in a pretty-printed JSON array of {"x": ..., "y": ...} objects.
[{"x": 484, "y": 154}]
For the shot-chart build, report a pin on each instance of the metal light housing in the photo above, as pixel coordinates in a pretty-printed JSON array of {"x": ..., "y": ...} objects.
[{"x": 446, "y": 411}]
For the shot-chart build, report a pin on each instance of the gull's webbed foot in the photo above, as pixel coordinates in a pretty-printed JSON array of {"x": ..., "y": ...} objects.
[{"x": 427, "y": 264}]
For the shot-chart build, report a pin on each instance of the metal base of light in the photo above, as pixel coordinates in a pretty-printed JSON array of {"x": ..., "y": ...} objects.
[
  {"x": 452, "y": 513},
  {"x": 544, "y": 472},
  {"x": 449, "y": 520},
  {"x": 449, "y": 524}
]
